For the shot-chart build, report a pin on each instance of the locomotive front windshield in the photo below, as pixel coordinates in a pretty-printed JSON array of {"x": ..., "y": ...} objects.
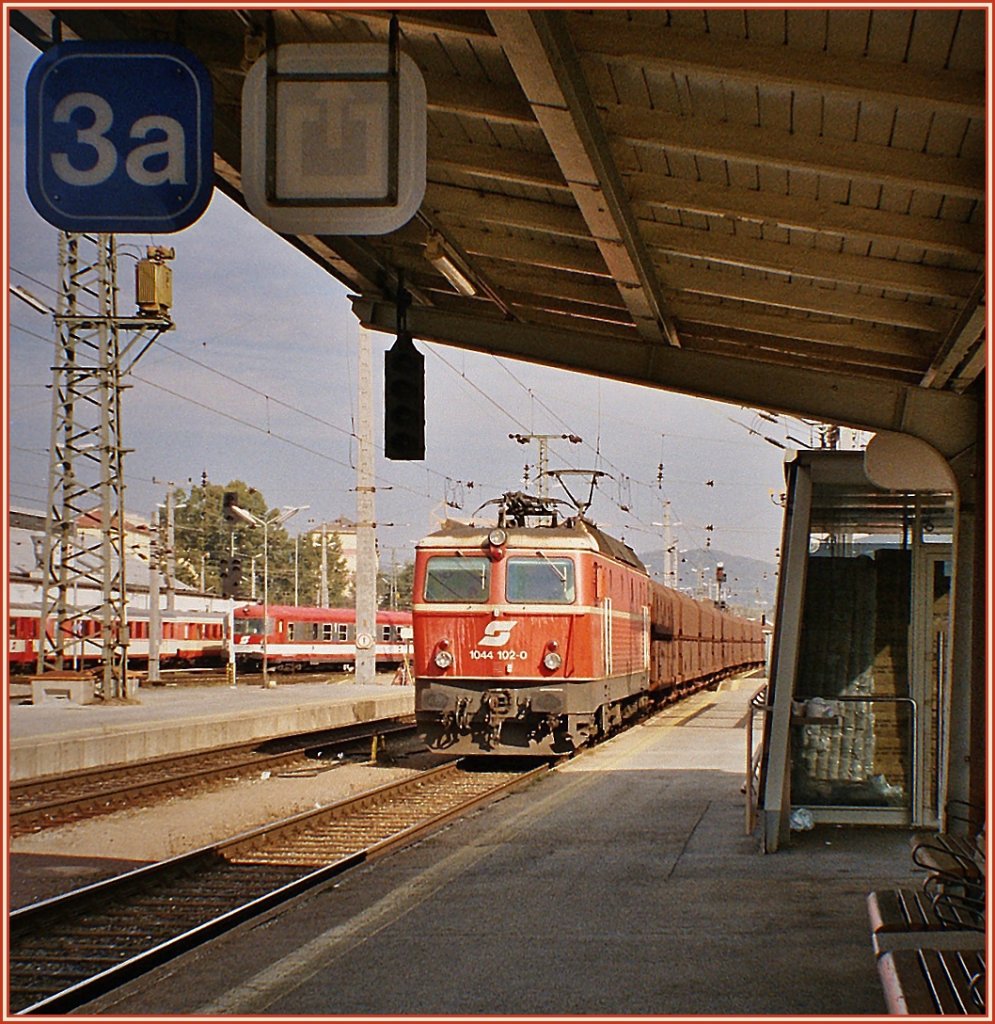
[
  {"x": 448, "y": 578},
  {"x": 252, "y": 625},
  {"x": 540, "y": 580}
]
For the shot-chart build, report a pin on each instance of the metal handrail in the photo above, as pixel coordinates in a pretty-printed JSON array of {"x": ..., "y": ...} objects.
[{"x": 754, "y": 758}]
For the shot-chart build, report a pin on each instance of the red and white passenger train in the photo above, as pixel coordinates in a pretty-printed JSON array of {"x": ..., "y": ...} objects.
[
  {"x": 315, "y": 637},
  {"x": 298, "y": 638},
  {"x": 187, "y": 638},
  {"x": 540, "y": 635}
]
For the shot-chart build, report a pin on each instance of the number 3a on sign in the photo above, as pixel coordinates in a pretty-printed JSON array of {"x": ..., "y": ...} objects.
[
  {"x": 172, "y": 146},
  {"x": 119, "y": 137}
]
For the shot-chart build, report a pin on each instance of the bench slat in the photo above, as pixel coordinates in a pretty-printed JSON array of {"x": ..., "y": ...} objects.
[{"x": 930, "y": 981}]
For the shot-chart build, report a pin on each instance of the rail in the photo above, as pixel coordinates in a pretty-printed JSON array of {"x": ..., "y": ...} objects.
[
  {"x": 51, "y": 801},
  {"x": 66, "y": 951}
]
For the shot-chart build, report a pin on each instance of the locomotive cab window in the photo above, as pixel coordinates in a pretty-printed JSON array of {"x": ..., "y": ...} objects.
[
  {"x": 448, "y": 578},
  {"x": 540, "y": 580}
]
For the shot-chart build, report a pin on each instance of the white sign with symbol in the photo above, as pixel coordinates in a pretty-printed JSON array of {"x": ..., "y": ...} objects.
[{"x": 323, "y": 166}]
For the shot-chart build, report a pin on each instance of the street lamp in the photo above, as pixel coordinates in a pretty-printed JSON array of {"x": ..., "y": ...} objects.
[{"x": 277, "y": 519}]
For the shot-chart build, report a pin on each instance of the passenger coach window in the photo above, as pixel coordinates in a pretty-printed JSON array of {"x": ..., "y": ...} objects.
[
  {"x": 457, "y": 579},
  {"x": 540, "y": 580}
]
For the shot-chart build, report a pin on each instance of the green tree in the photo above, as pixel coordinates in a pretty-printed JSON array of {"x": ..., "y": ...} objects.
[
  {"x": 394, "y": 588},
  {"x": 205, "y": 542},
  {"x": 309, "y": 569}
]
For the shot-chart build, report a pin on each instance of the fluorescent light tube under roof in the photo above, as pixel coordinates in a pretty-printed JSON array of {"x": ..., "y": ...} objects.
[{"x": 436, "y": 254}]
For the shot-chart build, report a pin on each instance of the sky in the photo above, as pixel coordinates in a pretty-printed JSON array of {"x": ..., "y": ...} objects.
[{"x": 258, "y": 382}]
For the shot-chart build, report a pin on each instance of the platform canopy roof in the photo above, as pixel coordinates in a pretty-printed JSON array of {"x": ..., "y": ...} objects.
[{"x": 778, "y": 207}]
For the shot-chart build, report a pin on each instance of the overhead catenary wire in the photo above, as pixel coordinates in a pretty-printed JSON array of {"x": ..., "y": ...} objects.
[{"x": 637, "y": 523}]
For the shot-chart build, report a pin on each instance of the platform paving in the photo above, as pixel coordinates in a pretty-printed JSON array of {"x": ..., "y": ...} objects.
[
  {"x": 622, "y": 883},
  {"x": 60, "y": 736}
]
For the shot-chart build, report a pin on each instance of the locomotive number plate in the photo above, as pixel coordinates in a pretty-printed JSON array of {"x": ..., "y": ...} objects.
[{"x": 501, "y": 655}]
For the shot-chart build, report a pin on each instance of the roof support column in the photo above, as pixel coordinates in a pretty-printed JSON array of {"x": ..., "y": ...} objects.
[{"x": 968, "y": 677}]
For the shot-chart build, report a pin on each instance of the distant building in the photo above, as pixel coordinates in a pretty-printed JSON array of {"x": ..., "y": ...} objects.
[
  {"x": 137, "y": 532},
  {"x": 345, "y": 531},
  {"x": 25, "y": 549}
]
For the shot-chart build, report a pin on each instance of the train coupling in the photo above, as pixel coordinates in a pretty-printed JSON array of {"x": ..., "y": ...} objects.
[
  {"x": 461, "y": 719},
  {"x": 496, "y": 703}
]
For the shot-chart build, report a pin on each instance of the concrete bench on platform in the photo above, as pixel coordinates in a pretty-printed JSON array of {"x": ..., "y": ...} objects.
[{"x": 77, "y": 687}]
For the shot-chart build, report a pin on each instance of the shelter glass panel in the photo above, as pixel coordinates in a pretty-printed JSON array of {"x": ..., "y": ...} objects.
[{"x": 857, "y": 711}]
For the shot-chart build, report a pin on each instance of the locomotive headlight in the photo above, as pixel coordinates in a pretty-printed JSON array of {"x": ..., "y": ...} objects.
[
  {"x": 496, "y": 541},
  {"x": 552, "y": 657},
  {"x": 443, "y": 659}
]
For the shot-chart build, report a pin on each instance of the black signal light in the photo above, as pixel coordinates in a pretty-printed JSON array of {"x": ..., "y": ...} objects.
[
  {"x": 229, "y": 499},
  {"x": 404, "y": 401}
]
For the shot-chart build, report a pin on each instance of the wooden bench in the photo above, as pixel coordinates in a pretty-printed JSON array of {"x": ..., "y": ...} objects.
[
  {"x": 909, "y": 919},
  {"x": 952, "y": 857},
  {"x": 931, "y": 943},
  {"x": 932, "y": 981}
]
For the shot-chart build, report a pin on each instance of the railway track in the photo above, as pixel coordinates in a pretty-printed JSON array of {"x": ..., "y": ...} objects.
[
  {"x": 38, "y": 804},
  {"x": 68, "y": 950}
]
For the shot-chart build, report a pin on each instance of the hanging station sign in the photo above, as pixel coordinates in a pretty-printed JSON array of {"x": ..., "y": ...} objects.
[
  {"x": 334, "y": 138},
  {"x": 119, "y": 137}
]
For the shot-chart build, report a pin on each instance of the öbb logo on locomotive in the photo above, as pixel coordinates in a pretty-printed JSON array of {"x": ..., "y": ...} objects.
[
  {"x": 497, "y": 634},
  {"x": 545, "y": 633}
]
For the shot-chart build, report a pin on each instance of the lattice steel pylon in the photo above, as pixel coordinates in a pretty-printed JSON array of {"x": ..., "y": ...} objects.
[{"x": 85, "y": 580}]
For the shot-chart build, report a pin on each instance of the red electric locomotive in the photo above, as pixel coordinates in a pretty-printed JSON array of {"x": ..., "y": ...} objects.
[{"x": 540, "y": 634}]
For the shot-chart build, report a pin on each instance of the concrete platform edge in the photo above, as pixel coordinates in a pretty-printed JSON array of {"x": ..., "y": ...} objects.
[{"x": 74, "y": 750}]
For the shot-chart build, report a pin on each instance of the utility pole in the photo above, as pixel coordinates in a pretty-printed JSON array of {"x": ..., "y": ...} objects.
[
  {"x": 323, "y": 596},
  {"x": 366, "y": 540},
  {"x": 86, "y": 452},
  {"x": 542, "y": 476},
  {"x": 669, "y": 550},
  {"x": 670, "y": 574},
  {"x": 170, "y": 546},
  {"x": 155, "y": 612}
]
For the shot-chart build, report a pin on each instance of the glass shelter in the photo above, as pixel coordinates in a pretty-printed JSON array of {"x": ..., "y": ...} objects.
[{"x": 860, "y": 663}]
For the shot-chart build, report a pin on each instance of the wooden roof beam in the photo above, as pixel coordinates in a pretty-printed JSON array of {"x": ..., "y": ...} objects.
[
  {"x": 809, "y": 262},
  {"x": 540, "y": 52},
  {"x": 485, "y": 207},
  {"x": 903, "y": 345},
  {"x": 865, "y": 79},
  {"x": 728, "y": 282},
  {"x": 800, "y": 213},
  {"x": 497, "y": 163},
  {"x": 751, "y": 144},
  {"x": 962, "y": 345}
]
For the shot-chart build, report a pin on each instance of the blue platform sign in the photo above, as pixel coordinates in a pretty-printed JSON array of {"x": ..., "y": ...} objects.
[{"x": 119, "y": 137}]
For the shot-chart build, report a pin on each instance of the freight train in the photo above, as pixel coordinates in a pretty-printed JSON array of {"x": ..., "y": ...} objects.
[
  {"x": 542, "y": 634},
  {"x": 299, "y": 638}
]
